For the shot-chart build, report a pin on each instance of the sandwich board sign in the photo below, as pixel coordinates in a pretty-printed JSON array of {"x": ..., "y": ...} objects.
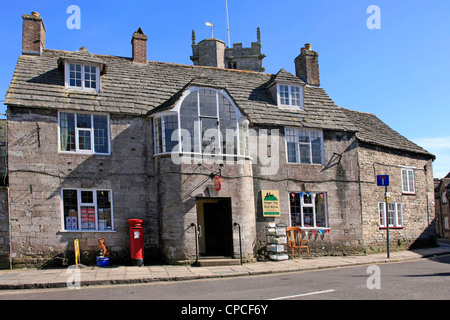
[{"x": 270, "y": 203}]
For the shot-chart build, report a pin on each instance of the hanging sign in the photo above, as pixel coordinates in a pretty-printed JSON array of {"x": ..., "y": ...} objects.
[
  {"x": 270, "y": 203},
  {"x": 217, "y": 183}
]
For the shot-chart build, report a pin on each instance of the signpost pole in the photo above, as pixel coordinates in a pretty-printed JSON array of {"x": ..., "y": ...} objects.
[
  {"x": 387, "y": 223},
  {"x": 383, "y": 181}
]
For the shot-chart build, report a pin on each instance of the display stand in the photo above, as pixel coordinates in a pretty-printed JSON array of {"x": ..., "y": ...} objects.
[{"x": 276, "y": 242}]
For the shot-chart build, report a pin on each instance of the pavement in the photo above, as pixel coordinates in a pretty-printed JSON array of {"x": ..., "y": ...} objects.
[{"x": 73, "y": 277}]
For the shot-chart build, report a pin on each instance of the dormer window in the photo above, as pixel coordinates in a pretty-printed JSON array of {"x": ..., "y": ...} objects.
[
  {"x": 290, "y": 96},
  {"x": 82, "y": 76},
  {"x": 286, "y": 90}
]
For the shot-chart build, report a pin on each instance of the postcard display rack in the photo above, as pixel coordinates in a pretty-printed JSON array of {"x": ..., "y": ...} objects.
[{"x": 276, "y": 242}]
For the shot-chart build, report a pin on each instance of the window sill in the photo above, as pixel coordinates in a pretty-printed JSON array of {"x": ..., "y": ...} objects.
[
  {"x": 201, "y": 155},
  {"x": 88, "y": 231},
  {"x": 306, "y": 164},
  {"x": 289, "y": 107},
  {"x": 85, "y": 153},
  {"x": 81, "y": 90},
  {"x": 408, "y": 193},
  {"x": 384, "y": 228}
]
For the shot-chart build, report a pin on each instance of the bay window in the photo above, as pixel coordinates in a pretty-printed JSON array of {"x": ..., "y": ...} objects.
[{"x": 208, "y": 123}]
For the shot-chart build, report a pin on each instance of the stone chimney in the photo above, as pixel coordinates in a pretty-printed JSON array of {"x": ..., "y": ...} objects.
[
  {"x": 139, "y": 46},
  {"x": 33, "y": 34},
  {"x": 307, "y": 66}
]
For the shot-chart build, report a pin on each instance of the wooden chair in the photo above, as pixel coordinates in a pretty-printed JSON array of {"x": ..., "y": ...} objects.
[{"x": 294, "y": 236}]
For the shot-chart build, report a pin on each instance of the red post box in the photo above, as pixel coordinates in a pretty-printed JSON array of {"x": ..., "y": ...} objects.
[{"x": 136, "y": 241}]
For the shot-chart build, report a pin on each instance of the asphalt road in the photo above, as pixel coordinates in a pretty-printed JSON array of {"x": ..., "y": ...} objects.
[{"x": 425, "y": 279}]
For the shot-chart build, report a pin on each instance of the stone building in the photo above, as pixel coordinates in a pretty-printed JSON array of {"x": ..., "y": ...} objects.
[
  {"x": 94, "y": 140},
  {"x": 442, "y": 206}
]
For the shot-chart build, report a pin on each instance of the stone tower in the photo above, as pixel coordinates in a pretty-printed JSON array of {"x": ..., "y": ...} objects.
[{"x": 214, "y": 53}]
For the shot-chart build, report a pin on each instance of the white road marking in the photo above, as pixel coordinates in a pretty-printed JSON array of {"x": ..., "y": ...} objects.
[{"x": 303, "y": 294}]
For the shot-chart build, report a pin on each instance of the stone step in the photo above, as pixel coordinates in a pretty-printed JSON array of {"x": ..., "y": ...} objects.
[{"x": 211, "y": 262}]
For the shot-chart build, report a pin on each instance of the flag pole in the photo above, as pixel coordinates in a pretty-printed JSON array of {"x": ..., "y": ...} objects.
[{"x": 228, "y": 24}]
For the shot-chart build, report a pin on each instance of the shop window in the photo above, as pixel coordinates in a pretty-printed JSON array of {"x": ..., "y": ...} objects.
[
  {"x": 308, "y": 209},
  {"x": 87, "y": 210}
]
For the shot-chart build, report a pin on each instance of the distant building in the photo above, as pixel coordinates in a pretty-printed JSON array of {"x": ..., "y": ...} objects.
[{"x": 442, "y": 206}]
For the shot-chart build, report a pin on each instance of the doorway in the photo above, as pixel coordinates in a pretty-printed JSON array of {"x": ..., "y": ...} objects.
[{"x": 215, "y": 227}]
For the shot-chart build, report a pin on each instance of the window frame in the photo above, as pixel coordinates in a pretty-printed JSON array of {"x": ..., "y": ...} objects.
[
  {"x": 290, "y": 95},
  {"x": 91, "y": 130},
  {"x": 309, "y": 205},
  {"x": 406, "y": 179},
  {"x": 81, "y": 204},
  {"x": 397, "y": 215},
  {"x": 83, "y": 76},
  {"x": 298, "y": 143},
  {"x": 159, "y": 133}
]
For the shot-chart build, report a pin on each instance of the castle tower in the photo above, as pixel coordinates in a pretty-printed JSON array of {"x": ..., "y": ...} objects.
[{"x": 213, "y": 53}]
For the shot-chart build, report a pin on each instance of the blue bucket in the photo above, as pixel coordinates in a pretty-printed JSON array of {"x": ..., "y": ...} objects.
[{"x": 102, "y": 261}]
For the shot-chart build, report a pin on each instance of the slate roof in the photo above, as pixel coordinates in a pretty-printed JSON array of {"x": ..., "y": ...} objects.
[
  {"x": 140, "y": 89},
  {"x": 143, "y": 89},
  {"x": 373, "y": 131}
]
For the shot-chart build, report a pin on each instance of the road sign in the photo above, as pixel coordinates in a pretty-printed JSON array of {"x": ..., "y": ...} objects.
[{"x": 383, "y": 180}]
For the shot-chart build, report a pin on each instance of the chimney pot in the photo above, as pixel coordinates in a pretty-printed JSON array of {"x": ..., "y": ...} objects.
[
  {"x": 308, "y": 46},
  {"x": 34, "y": 13}
]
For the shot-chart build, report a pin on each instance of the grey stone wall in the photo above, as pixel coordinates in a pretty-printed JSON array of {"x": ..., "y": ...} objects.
[
  {"x": 337, "y": 177},
  {"x": 179, "y": 188},
  {"x": 418, "y": 209},
  {"x": 38, "y": 172},
  {"x": 4, "y": 229},
  {"x": 442, "y": 207},
  {"x": 3, "y": 152}
]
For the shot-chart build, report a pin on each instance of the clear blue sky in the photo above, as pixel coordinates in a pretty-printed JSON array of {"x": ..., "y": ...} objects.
[{"x": 399, "y": 72}]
